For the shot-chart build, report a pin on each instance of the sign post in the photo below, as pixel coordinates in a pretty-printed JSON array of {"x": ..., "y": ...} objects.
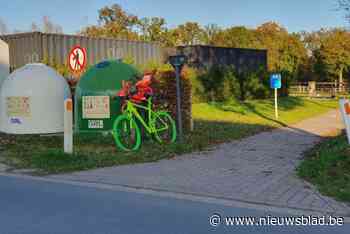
[
  {"x": 276, "y": 83},
  {"x": 178, "y": 62},
  {"x": 68, "y": 126},
  {"x": 345, "y": 112},
  {"x": 77, "y": 60}
]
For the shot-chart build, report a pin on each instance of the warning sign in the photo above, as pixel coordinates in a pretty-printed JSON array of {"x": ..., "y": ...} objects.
[
  {"x": 18, "y": 106},
  {"x": 96, "y": 107},
  {"x": 77, "y": 59}
]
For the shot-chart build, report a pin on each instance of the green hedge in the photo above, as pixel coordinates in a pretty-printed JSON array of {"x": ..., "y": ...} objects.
[
  {"x": 217, "y": 84},
  {"x": 220, "y": 83}
]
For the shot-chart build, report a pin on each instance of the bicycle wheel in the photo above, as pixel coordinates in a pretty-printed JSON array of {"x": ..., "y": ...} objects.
[
  {"x": 126, "y": 133},
  {"x": 165, "y": 128}
]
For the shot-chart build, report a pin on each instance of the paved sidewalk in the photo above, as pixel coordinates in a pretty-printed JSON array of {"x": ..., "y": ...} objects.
[{"x": 258, "y": 169}]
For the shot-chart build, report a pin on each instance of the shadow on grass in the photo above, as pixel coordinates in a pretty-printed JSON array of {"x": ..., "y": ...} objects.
[
  {"x": 235, "y": 107},
  {"x": 253, "y": 109},
  {"x": 284, "y": 103},
  {"x": 320, "y": 103}
]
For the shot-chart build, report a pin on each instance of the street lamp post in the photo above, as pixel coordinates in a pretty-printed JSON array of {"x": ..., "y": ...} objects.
[{"x": 178, "y": 62}]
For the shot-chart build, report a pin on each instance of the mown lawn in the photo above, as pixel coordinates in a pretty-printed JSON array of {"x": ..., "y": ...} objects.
[
  {"x": 214, "y": 123},
  {"x": 328, "y": 167}
]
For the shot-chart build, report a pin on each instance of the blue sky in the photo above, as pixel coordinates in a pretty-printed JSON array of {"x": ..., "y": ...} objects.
[{"x": 295, "y": 15}]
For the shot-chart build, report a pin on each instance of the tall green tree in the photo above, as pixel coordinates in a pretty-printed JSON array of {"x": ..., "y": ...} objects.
[
  {"x": 189, "y": 33},
  {"x": 211, "y": 34},
  {"x": 114, "y": 22},
  {"x": 334, "y": 54},
  {"x": 152, "y": 29},
  {"x": 285, "y": 51},
  {"x": 272, "y": 37},
  {"x": 239, "y": 37},
  {"x": 313, "y": 68}
]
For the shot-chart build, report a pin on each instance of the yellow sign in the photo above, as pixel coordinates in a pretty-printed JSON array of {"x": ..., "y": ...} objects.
[
  {"x": 96, "y": 107},
  {"x": 18, "y": 106}
]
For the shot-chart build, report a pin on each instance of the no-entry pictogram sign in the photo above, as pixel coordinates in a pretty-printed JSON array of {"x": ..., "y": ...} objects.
[{"x": 77, "y": 59}]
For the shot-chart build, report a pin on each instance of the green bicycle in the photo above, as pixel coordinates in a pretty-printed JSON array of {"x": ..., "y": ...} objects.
[{"x": 126, "y": 131}]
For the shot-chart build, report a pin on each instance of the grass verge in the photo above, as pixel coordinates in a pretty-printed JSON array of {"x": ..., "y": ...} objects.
[
  {"x": 214, "y": 123},
  {"x": 328, "y": 167}
]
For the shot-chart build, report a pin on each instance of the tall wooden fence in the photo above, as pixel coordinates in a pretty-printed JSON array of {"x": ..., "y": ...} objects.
[
  {"x": 36, "y": 46},
  {"x": 201, "y": 56}
]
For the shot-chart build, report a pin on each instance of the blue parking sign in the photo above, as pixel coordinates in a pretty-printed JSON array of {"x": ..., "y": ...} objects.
[{"x": 276, "y": 81}]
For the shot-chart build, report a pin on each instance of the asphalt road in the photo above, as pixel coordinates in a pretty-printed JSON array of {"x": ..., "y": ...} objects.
[{"x": 35, "y": 207}]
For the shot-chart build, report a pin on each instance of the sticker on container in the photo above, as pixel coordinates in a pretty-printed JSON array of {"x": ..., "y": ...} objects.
[
  {"x": 16, "y": 121},
  {"x": 18, "y": 106},
  {"x": 96, "y": 107},
  {"x": 95, "y": 124}
]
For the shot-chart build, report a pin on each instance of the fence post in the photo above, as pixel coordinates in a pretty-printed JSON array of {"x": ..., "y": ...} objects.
[
  {"x": 312, "y": 88},
  {"x": 335, "y": 88}
]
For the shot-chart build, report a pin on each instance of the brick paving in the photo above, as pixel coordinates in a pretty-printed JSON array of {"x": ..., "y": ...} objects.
[{"x": 259, "y": 169}]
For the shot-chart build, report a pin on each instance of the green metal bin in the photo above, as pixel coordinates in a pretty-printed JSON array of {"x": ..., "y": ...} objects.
[{"x": 96, "y": 106}]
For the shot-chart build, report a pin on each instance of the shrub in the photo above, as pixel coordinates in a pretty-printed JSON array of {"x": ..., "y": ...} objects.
[
  {"x": 256, "y": 85},
  {"x": 60, "y": 68},
  {"x": 165, "y": 89},
  {"x": 220, "y": 83},
  {"x": 231, "y": 89},
  {"x": 198, "y": 90},
  {"x": 212, "y": 81},
  {"x": 129, "y": 60}
]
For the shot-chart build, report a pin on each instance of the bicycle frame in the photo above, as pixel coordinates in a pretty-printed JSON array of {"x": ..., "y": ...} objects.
[{"x": 131, "y": 110}]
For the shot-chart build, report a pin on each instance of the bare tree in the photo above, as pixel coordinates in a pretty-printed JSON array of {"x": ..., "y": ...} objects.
[{"x": 3, "y": 27}]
